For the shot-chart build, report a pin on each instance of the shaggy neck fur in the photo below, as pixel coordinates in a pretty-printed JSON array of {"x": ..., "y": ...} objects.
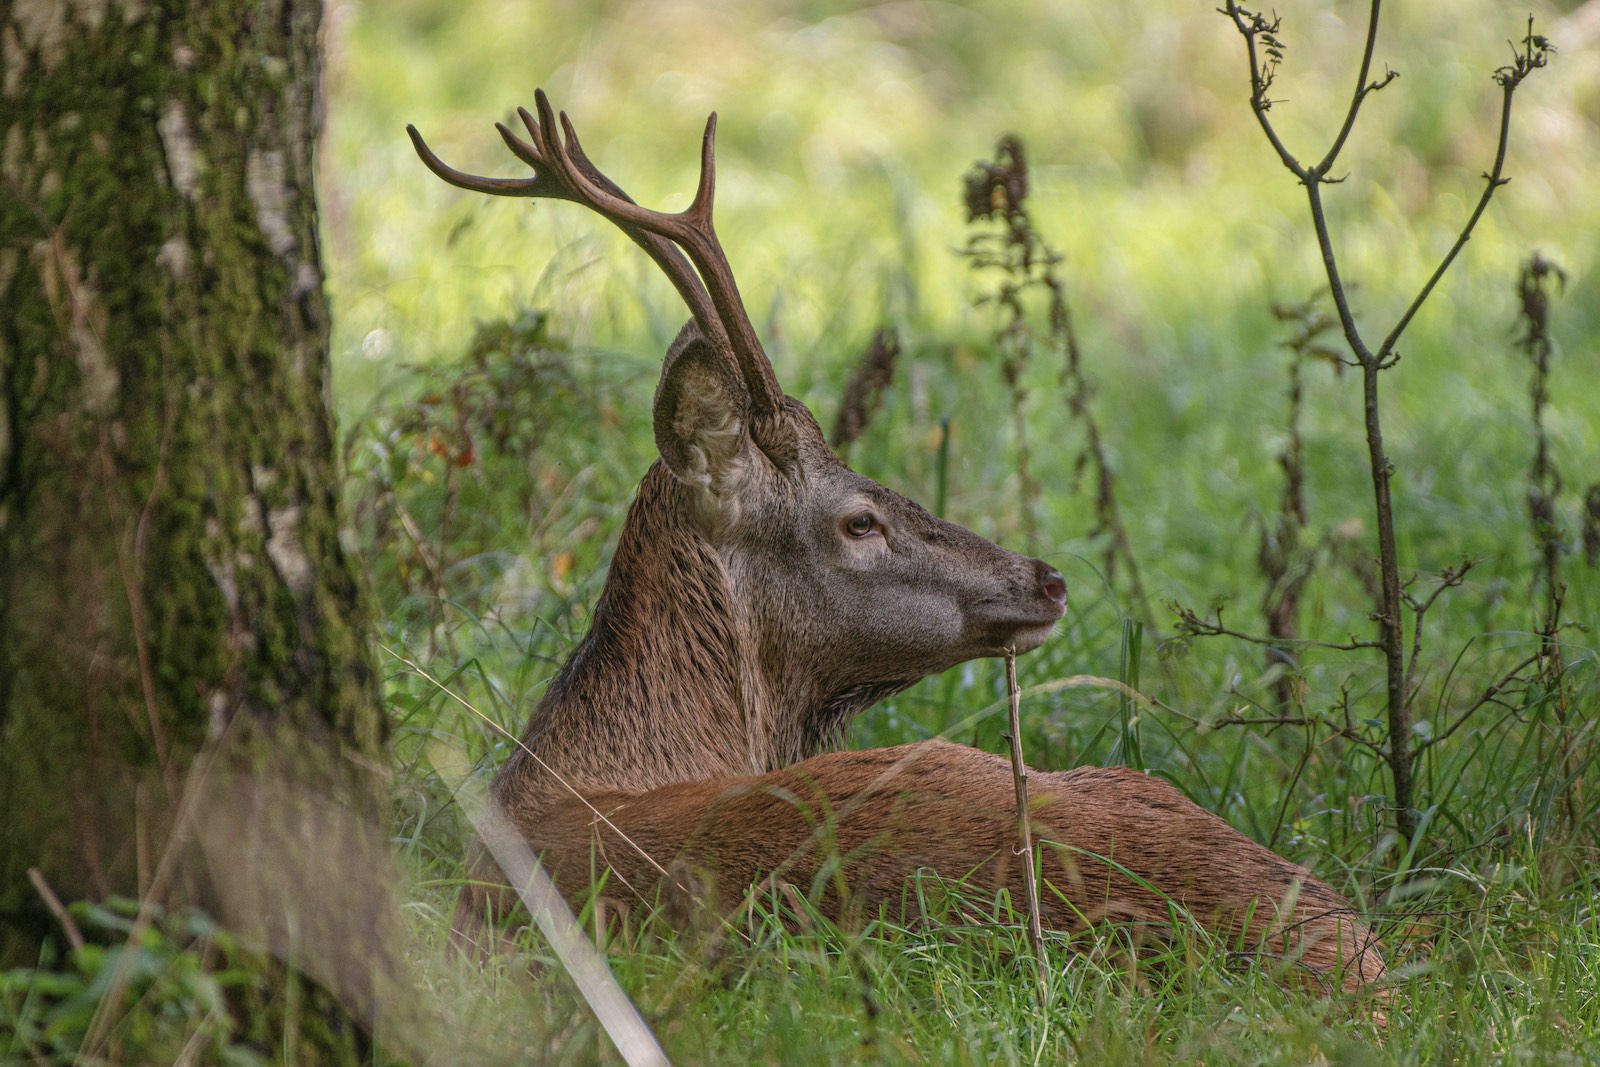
[{"x": 672, "y": 684}]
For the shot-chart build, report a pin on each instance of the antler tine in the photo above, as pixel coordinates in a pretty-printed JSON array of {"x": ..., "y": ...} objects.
[
  {"x": 529, "y": 153},
  {"x": 705, "y": 281},
  {"x": 538, "y": 186},
  {"x": 693, "y": 231},
  {"x": 717, "y": 275},
  {"x": 574, "y": 151},
  {"x": 666, "y": 255},
  {"x": 706, "y": 191}
]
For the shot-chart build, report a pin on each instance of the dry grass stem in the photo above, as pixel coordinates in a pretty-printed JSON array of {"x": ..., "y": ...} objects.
[
  {"x": 53, "y": 902},
  {"x": 622, "y": 1022},
  {"x": 1030, "y": 881}
]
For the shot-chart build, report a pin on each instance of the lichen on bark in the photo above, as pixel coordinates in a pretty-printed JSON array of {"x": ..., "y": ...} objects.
[{"x": 172, "y": 581}]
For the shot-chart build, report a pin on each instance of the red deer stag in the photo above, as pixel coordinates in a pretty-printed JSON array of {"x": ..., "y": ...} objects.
[{"x": 762, "y": 594}]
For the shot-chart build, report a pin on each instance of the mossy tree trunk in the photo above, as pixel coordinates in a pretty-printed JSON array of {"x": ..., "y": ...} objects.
[{"x": 172, "y": 584}]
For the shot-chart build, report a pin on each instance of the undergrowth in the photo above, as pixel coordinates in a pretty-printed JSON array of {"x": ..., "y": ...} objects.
[
  {"x": 490, "y": 464},
  {"x": 1487, "y": 918}
]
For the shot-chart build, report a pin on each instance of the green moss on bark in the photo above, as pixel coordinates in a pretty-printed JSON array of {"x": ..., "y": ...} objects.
[{"x": 170, "y": 568}]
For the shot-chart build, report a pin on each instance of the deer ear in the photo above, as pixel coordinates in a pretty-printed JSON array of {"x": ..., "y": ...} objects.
[{"x": 702, "y": 415}]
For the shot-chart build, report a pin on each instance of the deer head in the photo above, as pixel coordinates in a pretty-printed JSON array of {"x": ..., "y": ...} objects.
[{"x": 761, "y": 592}]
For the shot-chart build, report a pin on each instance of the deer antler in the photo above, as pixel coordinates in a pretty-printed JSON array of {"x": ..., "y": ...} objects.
[{"x": 563, "y": 172}]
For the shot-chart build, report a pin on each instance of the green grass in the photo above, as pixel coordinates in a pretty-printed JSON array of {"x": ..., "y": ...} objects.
[
  {"x": 843, "y": 132},
  {"x": 536, "y": 333},
  {"x": 1505, "y": 976},
  {"x": 495, "y": 362}
]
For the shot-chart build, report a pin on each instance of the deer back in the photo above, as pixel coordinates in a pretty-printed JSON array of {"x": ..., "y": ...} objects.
[{"x": 857, "y": 832}]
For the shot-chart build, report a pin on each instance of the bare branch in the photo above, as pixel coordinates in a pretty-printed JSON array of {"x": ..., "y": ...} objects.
[
  {"x": 1363, "y": 89},
  {"x": 1509, "y": 77},
  {"x": 1191, "y": 624},
  {"x": 1401, "y": 754},
  {"x": 1330, "y": 266},
  {"x": 1450, "y": 578},
  {"x": 1252, "y": 25},
  {"x": 1490, "y": 695},
  {"x": 1335, "y": 730}
]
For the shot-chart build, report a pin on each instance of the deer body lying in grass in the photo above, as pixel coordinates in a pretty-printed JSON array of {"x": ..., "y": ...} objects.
[{"x": 761, "y": 595}]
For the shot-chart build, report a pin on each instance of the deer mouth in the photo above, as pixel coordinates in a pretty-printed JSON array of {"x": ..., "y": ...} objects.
[
  {"x": 1027, "y": 637},
  {"x": 1018, "y": 633}
]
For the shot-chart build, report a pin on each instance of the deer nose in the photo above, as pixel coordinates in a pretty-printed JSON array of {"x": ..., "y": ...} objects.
[{"x": 1051, "y": 584}]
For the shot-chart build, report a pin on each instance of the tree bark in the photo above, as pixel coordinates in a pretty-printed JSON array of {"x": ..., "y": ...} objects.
[{"x": 174, "y": 596}]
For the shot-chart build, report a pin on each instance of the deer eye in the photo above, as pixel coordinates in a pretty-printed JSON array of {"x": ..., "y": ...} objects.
[{"x": 861, "y": 525}]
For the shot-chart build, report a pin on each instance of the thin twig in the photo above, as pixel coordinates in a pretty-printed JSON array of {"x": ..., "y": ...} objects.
[
  {"x": 1490, "y": 696},
  {"x": 1363, "y": 89},
  {"x": 1251, "y": 25},
  {"x": 1348, "y": 733},
  {"x": 1450, "y": 579},
  {"x": 53, "y": 902},
  {"x": 1191, "y": 624},
  {"x": 1019, "y": 776},
  {"x": 1492, "y": 181}
]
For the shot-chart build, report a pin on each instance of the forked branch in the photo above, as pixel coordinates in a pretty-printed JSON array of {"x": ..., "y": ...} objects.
[
  {"x": 1536, "y": 54},
  {"x": 1260, "y": 36}
]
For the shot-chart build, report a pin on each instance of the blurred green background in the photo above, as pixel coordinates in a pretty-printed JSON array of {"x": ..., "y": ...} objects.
[
  {"x": 843, "y": 136},
  {"x": 844, "y": 130},
  {"x": 495, "y": 361}
]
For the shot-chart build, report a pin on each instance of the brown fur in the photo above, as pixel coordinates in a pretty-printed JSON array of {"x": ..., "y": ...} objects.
[
  {"x": 761, "y": 594},
  {"x": 891, "y": 813}
]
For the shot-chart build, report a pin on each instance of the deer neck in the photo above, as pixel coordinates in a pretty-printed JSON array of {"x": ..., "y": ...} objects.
[
  {"x": 812, "y": 701},
  {"x": 668, "y": 685}
]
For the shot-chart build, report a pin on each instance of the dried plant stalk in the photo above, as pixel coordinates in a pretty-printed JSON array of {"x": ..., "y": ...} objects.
[
  {"x": 1030, "y": 875},
  {"x": 863, "y": 394},
  {"x": 1026, "y": 263}
]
